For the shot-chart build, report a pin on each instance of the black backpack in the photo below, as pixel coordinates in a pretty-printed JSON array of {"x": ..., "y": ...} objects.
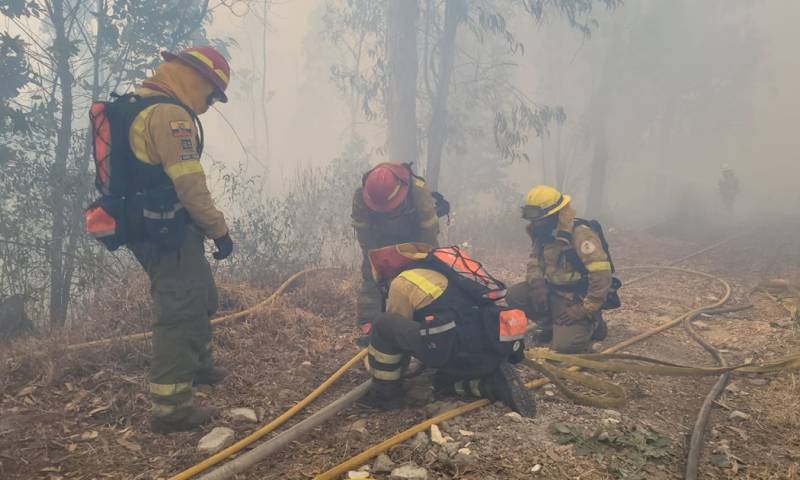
[
  {"x": 612, "y": 299},
  {"x": 137, "y": 201}
]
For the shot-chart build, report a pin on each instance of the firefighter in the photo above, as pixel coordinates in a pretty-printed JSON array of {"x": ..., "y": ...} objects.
[
  {"x": 165, "y": 137},
  {"x": 392, "y": 206},
  {"x": 430, "y": 318},
  {"x": 569, "y": 274},
  {"x": 728, "y": 187}
]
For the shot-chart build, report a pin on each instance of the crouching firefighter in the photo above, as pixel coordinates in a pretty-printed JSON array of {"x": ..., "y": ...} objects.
[
  {"x": 441, "y": 308},
  {"x": 155, "y": 201},
  {"x": 569, "y": 279},
  {"x": 392, "y": 206}
]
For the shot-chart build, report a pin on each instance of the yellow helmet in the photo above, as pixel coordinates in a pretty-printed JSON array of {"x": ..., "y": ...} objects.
[{"x": 543, "y": 201}]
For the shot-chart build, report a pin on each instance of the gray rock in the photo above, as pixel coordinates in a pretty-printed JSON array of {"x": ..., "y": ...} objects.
[
  {"x": 420, "y": 441},
  {"x": 243, "y": 415},
  {"x": 737, "y": 415},
  {"x": 409, "y": 471},
  {"x": 359, "y": 426},
  {"x": 514, "y": 417},
  {"x": 216, "y": 440},
  {"x": 383, "y": 464}
]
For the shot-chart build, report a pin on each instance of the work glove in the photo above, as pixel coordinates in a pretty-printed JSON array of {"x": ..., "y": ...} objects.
[
  {"x": 224, "y": 247},
  {"x": 573, "y": 314},
  {"x": 539, "y": 296},
  {"x": 441, "y": 204}
]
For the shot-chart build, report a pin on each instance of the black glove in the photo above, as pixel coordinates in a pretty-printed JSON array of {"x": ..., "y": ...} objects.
[
  {"x": 442, "y": 205},
  {"x": 224, "y": 247}
]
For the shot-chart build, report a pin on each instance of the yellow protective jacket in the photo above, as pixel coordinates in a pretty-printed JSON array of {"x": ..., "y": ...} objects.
[
  {"x": 414, "y": 221},
  {"x": 414, "y": 290},
  {"x": 164, "y": 134},
  {"x": 549, "y": 261}
]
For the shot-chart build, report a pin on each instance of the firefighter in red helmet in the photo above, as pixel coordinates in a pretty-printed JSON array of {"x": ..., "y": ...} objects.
[{"x": 392, "y": 206}]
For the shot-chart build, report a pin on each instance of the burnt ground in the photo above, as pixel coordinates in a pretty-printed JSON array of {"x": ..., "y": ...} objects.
[{"x": 83, "y": 415}]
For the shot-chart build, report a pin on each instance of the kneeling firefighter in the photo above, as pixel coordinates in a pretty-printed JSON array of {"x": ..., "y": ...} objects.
[
  {"x": 441, "y": 309},
  {"x": 569, "y": 278},
  {"x": 392, "y": 206},
  {"x": 155, "y": 201}
]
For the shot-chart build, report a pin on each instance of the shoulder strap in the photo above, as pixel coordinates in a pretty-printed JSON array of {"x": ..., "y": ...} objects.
[{"x": 140, "y": 103}]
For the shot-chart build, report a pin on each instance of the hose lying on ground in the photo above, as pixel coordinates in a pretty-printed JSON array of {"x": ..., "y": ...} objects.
[
  {"x": 227, "y": 318},
  {"x": 253, "y": 437}
]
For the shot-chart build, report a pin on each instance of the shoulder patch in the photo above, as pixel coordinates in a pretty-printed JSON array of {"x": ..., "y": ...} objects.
[
  {"x": 588, "y": 247},
  {"x": 181, "y": 128}
]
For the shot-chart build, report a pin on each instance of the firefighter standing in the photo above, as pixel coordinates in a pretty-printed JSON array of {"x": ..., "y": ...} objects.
[
  {"x": 164, "y": 136},
  {"x": 430, "y": 318},
  {"x": 569, "y": 274},
  {"x": 728, "y": 187},
  {"x": 392, "y": 206}
]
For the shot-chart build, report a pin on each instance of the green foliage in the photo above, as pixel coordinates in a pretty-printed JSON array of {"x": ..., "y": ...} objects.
[{"x": 624, "y": 451}]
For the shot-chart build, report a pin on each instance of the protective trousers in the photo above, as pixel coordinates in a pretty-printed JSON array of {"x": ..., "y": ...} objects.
[
  {"x": 572, "y": 338},
  {"x": 394, "y": 339},
  {"x": 184, "y": 299},
  {"x": 369, "y": 303}
]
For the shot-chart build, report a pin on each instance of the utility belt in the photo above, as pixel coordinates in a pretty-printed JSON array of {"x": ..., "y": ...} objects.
[
  {"x": 153, "y": 215},
  {"x": 581, "y": 287}
]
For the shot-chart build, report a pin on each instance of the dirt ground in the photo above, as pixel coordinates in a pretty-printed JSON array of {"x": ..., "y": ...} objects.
[{"x": 83, "y": 415}]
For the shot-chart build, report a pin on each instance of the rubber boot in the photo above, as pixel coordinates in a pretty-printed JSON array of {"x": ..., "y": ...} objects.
[
  {"x": 212, "y": 376},
  {"x": 384, "y": 396},
  {"x": 505, "y": 385},
  {"x": 600, "y": 330},
  {"x": 183, "y": 419}
]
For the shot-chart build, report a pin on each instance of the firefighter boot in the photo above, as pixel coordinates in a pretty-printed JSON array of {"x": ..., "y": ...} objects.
[
  {"x": 505, "y": 385},
  {"x": 212, "y": 376},
  {"x": 600, "y": 330},
  {"x": 384, "y": 396},
  {"x": 183, "y": 419}
]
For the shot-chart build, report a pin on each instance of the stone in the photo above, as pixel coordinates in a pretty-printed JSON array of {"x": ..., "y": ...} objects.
[
  {"x": 409, "y": 471},
  {"x": 450, "y": 449},
  {"x": 737, "y": 415},
  {"x": 216, "y": 440},
  {"x": 536, "y": 468},
  {"x": 701, "y": 325},
  {"x": 463, "y": 458},
  {"x": 419, "y": 441},
  {"x": 359, "y": 426},
  {"x": 357, "y": 474},
  {"x": 383, "y": 464},
  {"x": 436, "y": 435},
  {"x": 243, "y": 415},
  {"x": 514, "y": 417},
  {"x": 466, "y": 433},
  {"x": 612, "y": 413},
  {"x": 305, "y": 364}
]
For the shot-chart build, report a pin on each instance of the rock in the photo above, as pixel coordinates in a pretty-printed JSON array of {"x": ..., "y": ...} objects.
[
  {"x": 701, "y": 325},
  {"x": 465, "y": 451},
  {"x": 463, "y": 458},
  {"x": 383, "y": 464},
  {"x": 450, "y": 449},
  {"x": 216, "y": 440},
  {"x": 603, "y": 437},
  {"x": 737, "y": 415},
  {"x": 305, "y": 364},
  {"x": 436, "y": 435},
  {"x": 419, "y": 441},
  {"x": 549, "y": 393},
  {"x": 359, "y": 426},
  {"x": 409, "y": 471},
  {"x": 536, "y": 468},
  {"x": 612, "y": 413},
  {"x": 357, "y": 474},
  {"x": 243, "y": 415},
  {"x": 466, "y": 433},
  {"x": 514, "y": 417}
]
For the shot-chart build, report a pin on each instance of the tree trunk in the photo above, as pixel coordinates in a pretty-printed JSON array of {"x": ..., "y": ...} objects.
[
  {"x": 401, "y": 91},
  {"x": 454, "y": 13},
  {"x": 61, "y": 47},
  {"x": 597, "y": 183}
]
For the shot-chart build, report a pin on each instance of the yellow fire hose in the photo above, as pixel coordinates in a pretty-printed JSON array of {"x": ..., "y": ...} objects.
[
  {"x": 236, "y": 447},
  {"x": 227, "y": 318},
  {"x": 368, "y": 454}
]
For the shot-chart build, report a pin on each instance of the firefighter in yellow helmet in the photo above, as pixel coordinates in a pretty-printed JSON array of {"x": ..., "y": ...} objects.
[
  {"x": 569, "y": 274},
  {"x": 179, "y": 214}
]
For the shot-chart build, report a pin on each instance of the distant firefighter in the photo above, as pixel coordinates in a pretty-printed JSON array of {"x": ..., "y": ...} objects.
[
  {"x": 392, "y": 206},
  {"x": 569, "y": 279},
  {"x": 728, "y": 187}
]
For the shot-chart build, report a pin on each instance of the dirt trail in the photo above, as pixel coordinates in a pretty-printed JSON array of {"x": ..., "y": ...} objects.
[{"x": 83, "y": 416}]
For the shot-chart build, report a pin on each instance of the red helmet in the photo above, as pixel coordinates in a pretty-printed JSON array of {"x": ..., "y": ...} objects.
[
  {"x": 209, "y": 63},
  {"x": 386, "y": 187}
]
